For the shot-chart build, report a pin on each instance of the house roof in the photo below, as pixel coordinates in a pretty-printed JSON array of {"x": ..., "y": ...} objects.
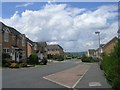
[
  {"x": 102, "y": 45},
  {"x": 40, "y": 44},
  {"x": 28, "y": 40},
  {"x": 12, "y": 30},
  {"x": 55, "y": 46}
]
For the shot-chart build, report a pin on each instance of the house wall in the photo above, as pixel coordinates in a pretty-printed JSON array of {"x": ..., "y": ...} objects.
[
  {"x": 29, "y": 49},
  {"x": 110, "y": 47},
  {"x": 55, "y": 53},
  {"x": 91, "y": 53},
  {"x": 0, "y": 42},
  {"x": 20, "y": 43},
  {"x": 13, "y": 42}
]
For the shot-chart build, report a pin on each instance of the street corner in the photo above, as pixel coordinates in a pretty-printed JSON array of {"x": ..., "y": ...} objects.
[{"x": 69, "y": 78}]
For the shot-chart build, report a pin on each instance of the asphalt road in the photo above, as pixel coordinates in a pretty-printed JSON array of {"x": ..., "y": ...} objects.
[{"x": 33, "y": 77}]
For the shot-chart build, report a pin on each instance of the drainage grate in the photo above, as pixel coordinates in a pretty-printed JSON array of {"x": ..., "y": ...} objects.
[{"x": 93, "y": 84}]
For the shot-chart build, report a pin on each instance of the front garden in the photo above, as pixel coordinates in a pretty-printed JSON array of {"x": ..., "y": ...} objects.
[{"x": 8, "y": 62}]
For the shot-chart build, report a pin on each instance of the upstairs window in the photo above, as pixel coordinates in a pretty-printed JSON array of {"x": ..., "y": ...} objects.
[
  {"x": 6, "y": 34},
  {"x": 23, "y": 40}
]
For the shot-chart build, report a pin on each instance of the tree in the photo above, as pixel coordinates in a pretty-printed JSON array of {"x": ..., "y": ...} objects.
[{"x": 33, "y": 59}]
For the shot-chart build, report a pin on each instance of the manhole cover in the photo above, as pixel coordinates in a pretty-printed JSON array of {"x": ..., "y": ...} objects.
[{"x": 93, "y": 84}]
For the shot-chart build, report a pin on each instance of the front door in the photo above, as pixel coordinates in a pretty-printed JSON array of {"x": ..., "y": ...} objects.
[
  {"x": 17, "y": 56},
  {"x": 13, "y": 55}
]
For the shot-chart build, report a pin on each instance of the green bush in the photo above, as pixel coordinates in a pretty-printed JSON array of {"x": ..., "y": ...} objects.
[
  {"x": 84, "y": 58},
  {"x": 60, "y": 59},
  {"x": 33, "y": 59},
  {"x": 111, "y": 67},
  {"x": 14, "y": 65},
  {"x": 68, "y": 57},
  {"x": 5, "y": 59},
  {"x": 23, "y": 65},
  {"x": 5, "y": 55}
]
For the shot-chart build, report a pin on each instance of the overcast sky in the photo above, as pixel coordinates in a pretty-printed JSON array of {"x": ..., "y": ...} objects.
[{"x": 72, "y": 24}]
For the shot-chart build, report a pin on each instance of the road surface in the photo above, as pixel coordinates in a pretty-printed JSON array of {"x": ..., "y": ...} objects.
[{"x": 78, "y": 75}]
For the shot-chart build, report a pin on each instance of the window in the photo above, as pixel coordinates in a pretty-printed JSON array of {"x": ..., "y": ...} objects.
[
  {"x": 23, "y": 40},
  {"x": 6, "y": 50},
  {"x": 6, "y": 36}
]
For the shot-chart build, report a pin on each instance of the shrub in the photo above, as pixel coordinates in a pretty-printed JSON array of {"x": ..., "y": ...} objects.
[
  {"x": 23, "y": 61},
  {"x": 68, "y": 57},
  {"x": 23, "y": 65},
  {"x": 5, "y": 55},
  {"x": 5, "y": 58},
  {"x": 78, "y": 57},
  {"x": 33, "y": 59},
  {"x": 6, "y": 65},
  {"x": 86, "y": 59},
  {"x": 60, "y": 59},
  {"x": 14, "y": 65},
  {"x": 111, "y": 66}
]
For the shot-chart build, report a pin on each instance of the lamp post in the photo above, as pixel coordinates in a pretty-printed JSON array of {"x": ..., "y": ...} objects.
[
  {"x": 98, "y": 33},
  {"x": 118, "y": 33}
]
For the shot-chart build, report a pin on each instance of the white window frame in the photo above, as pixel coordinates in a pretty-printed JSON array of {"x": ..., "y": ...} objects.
[
  {"x": 6, "y": 34},
  {"x": 23, "y": 40},
  {"x": 6, "y": 50}
]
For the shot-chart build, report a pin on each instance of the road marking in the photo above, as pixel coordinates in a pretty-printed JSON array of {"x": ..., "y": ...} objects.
[
  {"x": 80, "y": 78},
  {"x": 93, "y": 84},
  {"x": 56, "y": 82},
  {"x": 64, "y": 84}
]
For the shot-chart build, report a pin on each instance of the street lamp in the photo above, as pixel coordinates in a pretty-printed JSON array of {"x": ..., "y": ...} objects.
[
  {"x": 98, "y": 33},
  {"x": 118, "y": 33}
]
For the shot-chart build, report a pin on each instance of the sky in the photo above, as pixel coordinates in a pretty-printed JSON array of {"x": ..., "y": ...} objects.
[{"x": 69, "y": 24}]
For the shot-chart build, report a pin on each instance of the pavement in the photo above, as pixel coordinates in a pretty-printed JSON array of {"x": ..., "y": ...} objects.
[
  {"x": 66, "y": 74},
  {"x": 94, "y": 78}
]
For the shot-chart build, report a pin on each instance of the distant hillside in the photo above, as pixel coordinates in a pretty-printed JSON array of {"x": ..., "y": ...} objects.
[{"x": 76, "y": 53}]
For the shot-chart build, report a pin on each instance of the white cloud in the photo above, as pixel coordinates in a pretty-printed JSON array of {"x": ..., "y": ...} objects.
[
  {"x": 72, "y": 28},
  {"x": 24, "y": 5}
]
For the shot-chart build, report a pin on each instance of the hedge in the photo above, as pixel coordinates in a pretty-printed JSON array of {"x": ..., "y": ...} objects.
[{"x": 111, "y": 66}]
